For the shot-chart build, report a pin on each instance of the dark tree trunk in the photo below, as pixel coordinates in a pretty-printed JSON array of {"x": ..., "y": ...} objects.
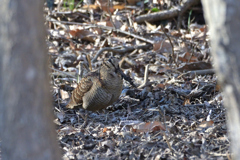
[
  {"x": 26, "y": 116},
  {"x": 224, "y": 24}
]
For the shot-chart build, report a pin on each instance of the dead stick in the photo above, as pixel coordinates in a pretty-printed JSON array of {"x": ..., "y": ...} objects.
[
  {"x": 104, "y": 27},
  {"x": 152, "y": 17}
]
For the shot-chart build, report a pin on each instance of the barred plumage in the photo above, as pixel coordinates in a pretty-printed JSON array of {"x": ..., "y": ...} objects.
[{"x": 98, "y": 89}]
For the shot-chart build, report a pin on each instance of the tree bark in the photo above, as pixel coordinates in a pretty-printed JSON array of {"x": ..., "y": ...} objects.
[
  {"x": 223, "y": 19},
  {"x": 26, "y": 116}
]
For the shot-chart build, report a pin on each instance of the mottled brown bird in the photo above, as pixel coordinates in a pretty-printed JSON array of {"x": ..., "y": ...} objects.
[{"x": 98, "y": 89}]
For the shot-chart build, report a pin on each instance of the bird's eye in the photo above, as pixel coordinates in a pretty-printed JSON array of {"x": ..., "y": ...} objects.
[{"x": 110, "y": 60}]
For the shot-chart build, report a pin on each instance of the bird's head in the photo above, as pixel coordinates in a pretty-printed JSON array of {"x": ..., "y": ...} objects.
[{"x": 112, "y": 64}]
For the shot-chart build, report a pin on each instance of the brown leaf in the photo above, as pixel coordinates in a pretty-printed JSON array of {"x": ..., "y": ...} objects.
[
  {"x": 132, "y": 2},
  {"x": 206, "y": 124},
  {"x": 105, "y": 130},
  {"x": 97, "y": 31},
  {"x": 91, "y": 6},
  {"x": 119, "y": 7},
  {"x": 186, "y": 101},
  {"x": 83, "y": 34},
  {"x": 195, "y": 66},
  {"x": 187, "y": 57},
  {"x": 148, "y": 127},
  {"x": 161, "y": 85},
  {"x": 176, "y": 33},
  {"x": 162, "y": 46},
  {"x": 103, "y": 5}
]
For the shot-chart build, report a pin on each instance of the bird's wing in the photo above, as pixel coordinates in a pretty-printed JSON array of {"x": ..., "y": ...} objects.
[{"x": 83, "y": 87}]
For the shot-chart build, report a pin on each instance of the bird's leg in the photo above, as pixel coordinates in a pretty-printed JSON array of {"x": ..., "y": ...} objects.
[
  {"x": 79, "y": 113},
  {"x": 84, "y": 117},
  {"x": 106, "y": 117},
  {"x": 85, "y": 120}
]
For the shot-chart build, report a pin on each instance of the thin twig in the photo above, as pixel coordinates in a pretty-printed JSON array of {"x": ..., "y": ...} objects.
[
  {"x": 145, "y": 76},
  {"x": 167, "y": 141},
  {"x": 118, "y": 49},
  {"x": 173, "y": 55},
  {"x": 103, "y": 27},
  {"x": 145, "y": 81},
  {"x": 198, "y": 72},
  {"x": 63, "y": 72},
  {"x": 89, "y": 62}
]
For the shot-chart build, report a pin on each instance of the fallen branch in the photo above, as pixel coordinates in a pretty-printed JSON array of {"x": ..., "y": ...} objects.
[
  {"x": 198, "y": 72},
  {"x": 62, "y": 73},
  {"x": 118, "y": 50},
  {"x": 166, "y": 14}
]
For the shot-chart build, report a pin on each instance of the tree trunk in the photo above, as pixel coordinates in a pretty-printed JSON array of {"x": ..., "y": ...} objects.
[
  {"x": 26, "y": 118},
  {"x": 223, "y": 19}
]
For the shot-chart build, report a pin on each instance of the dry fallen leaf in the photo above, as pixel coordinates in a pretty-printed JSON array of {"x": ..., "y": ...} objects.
[
  {"x": 206, "y": 124},
  {"x": 132, "y": 2},
  {"x": 195, "y": 66},
  {"x": 103, "y": 5},
  {"x": 83, "y": 34},
  {"x": 176, "y": 33},
  {"x": 162, "y": 46},
  {"x": 150, "y": 26},
  {"x": 186, "y": 101},
  {"x": 105, "y": 130},
  {"x": 187, "y": 57},
  {"x": 109, "y": 143},
  {"x": 67, "y": 130},
  {"x": 161, "y": 85},
  {"x": 148, "y": 127},
  {"x": 64, "y": 94},
  {"x": 61, "y": 116}
]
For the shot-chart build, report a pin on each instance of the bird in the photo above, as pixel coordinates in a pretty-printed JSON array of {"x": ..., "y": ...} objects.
[{"x": 99, "y": 88}]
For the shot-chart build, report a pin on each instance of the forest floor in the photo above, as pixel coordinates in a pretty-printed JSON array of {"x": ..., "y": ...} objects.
[{"x": 176, "y": 110}]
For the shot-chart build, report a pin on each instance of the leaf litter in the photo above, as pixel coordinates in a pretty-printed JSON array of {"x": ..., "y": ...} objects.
[{"x": 176, "y": 110}]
